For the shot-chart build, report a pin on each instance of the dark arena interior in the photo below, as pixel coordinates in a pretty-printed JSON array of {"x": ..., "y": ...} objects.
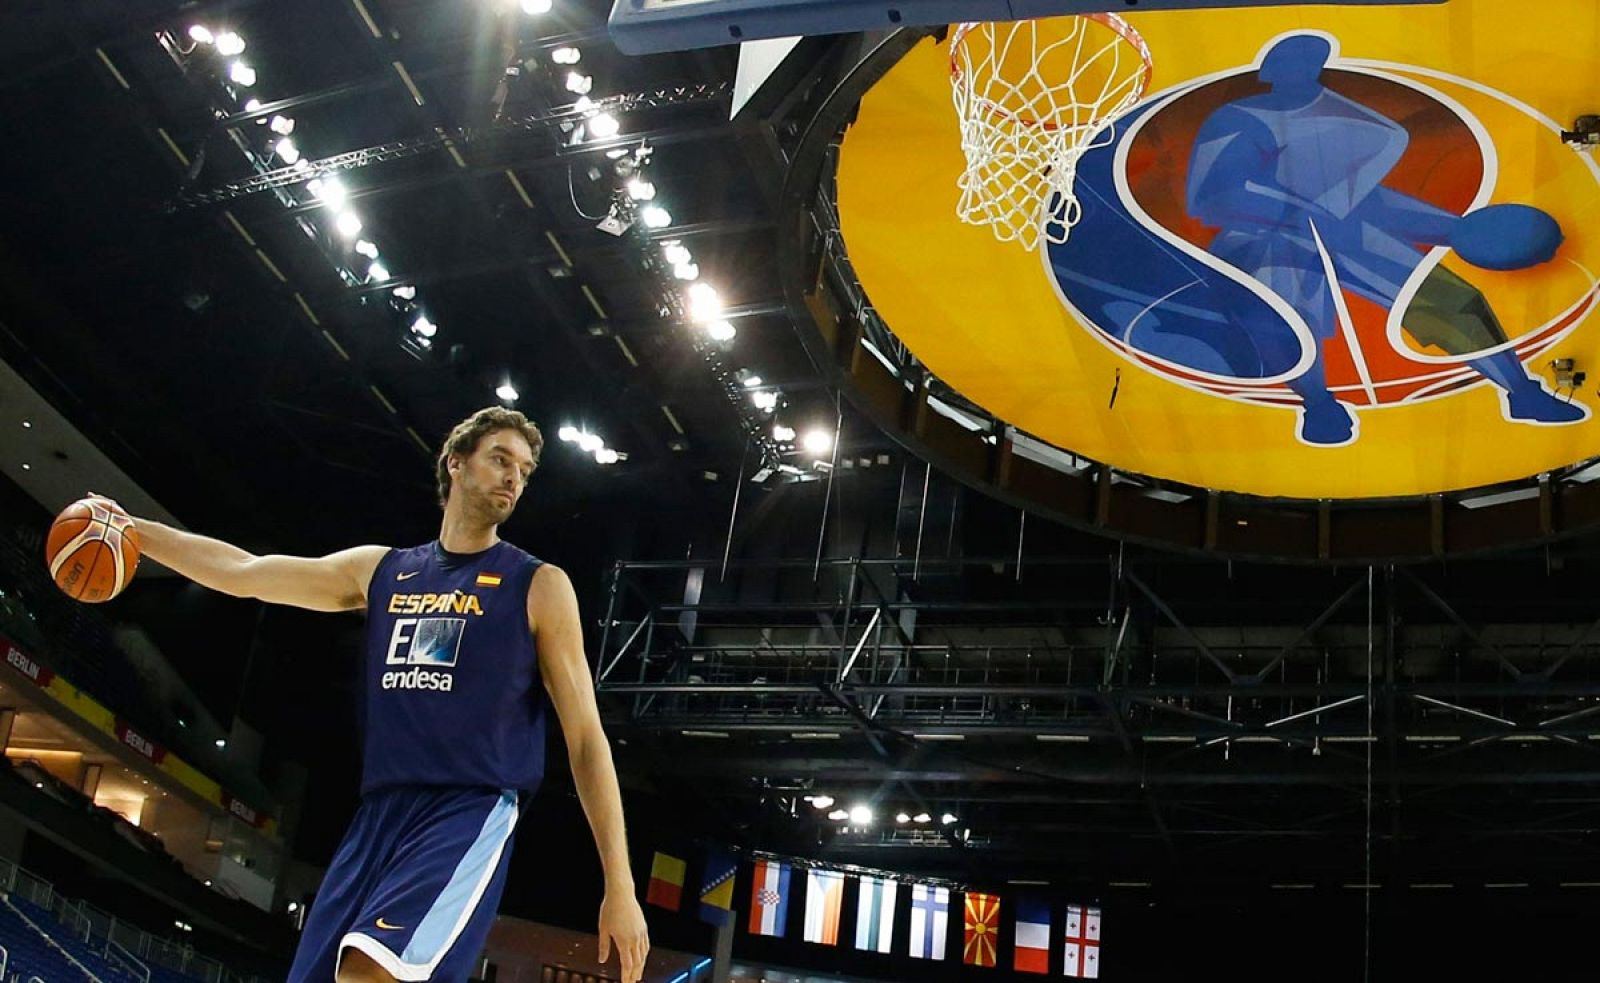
[{"x": 1210, "y": 594}]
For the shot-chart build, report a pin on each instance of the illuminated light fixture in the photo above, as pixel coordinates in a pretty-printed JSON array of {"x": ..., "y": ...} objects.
[
  {"x": 407, "y": 292},
  {"x": 686, "y": 271},
  {"x": 655, "y": 217},
  {"x": 838, "y": 814},
  {"x": 752, "y": 381},
  {"x": 294, "y": 906},
  {"x": 675, "y": 252},
  {"x": 251, "y": 105},
  {"x": 585, "y": 105},
  {"x": 242, "y": 74},
  {"x": 348, "y": 224},
  {"x": 947, "y": 819},
  {"x": 302, "y": 165},
  {"x": 27, "y": 467},
  {"x": 641, "y": 190},
  {"x": 579, "y": 83},
  {"x": 921, "y": 817},
  {"x": 330, "y": 191},
  {"x": 566, "y": 55},
  {"x": 229, "y": 43},
  {"x": 616, "y": 153},
  {"x": 902, "y": 818},
  {"x": 221, "y": 743},
  {"x": 721, "y": 331},
  {"x": 704, "y": 303},
  {"x": 424, "y": 327},
  {"x": 26, "y": 425},
  {"x": 286, "y": 149},
  {"x": 821, "y": 801},
  {"x": 506, "y": 392},
  {"x": 605, "y": 126},
  {"x": 589, "y": 443},
  {"x": 765, "y": 400},
  {"x": 378, "y": 272},
  {"x": 367, "y": 248},
  {"x": 281, "y": 125},
  {"x": 861, "y": 816},
  {"x": 568, "y": 434},
  {"x": 533, "y": 8},
  {"x": 605, "y": 455},
  {"x": 818, "y": 441},
  {"x": 200, "y": 33},
  {"x": 782, "y": 434}
]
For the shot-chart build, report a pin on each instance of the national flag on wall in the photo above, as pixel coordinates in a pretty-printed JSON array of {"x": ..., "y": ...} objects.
[
  {"x": 930, "y": 914},
  {"x": 982, "y": 930},
  {"x": 875, "y": 915},
  {"x": 716, "y": 887},
  {"x": 666, "y": 882},
  {"x": 769, "y": 898},
  {"x": 1083, "y": 943},
  {"x": 1032, "y": 951},
  {"x": 824, "y": 895}
]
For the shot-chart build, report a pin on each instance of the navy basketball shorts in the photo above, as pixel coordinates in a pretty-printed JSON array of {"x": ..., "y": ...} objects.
[{"x": 415, "y": 884}]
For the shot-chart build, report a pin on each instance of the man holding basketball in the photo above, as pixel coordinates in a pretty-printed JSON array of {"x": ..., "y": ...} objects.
[{"x": 461, "y": 632}]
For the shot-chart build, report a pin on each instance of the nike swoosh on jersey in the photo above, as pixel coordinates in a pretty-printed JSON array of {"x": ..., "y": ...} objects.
[
  {"x": 406, "y": 576},
  {"x": 389, "y": 928}
]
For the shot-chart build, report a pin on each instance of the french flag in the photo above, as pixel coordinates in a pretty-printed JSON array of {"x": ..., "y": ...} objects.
[
  {"x": 1032, "y": 953},
  {"x": 769, "y": 899}
]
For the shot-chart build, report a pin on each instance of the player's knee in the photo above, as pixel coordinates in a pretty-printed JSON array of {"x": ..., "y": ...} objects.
[{"x": 358, "y": 967}]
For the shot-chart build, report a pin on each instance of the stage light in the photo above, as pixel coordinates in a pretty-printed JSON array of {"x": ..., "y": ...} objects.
[
  {"x": 229, "y": 44},
  {"x": 765, "y": 400},
  {"x": 605, "y": 455},
  {"x": 752, "y": 381},
  {"x": 838, "y": 814},
  {"x": 585, "y": 105},
  {"x": 200, "y": 33},
  {"x": 251, "y": 105},
  {"x": 378, "y": 272},
  {"x": 286, "y": 149},
  {"x": 686, "y": 271},
  {"x": 604, "y": 126},
  {"x": 921, "y": 817},
  {"x": 407, "y": 292},
  {"x": 242, "y": 74},
  {"x": 641, "y": 190},
  {"x": 281, "y": 125},
  {"x": 566, "y": 55},
  {"x": 861, "y": 816},
  {"x": 655, "y": 217},
  {"x": 424, "y": 327},
  {"x": 818, "y": 441},
  {"x": 221, "y": 743},
  {"x": 947, "y": 819},
  {"x": 367, "y": 248},
  {"x": 675, "y": 252},
  {"x": 721, "y": 331},
  {"x": 589, "y": 443},
  {"x": 704, "y": 303},
  {"x": 821, "y": 801},
  {"x": 579, "y": 83},
  {"x": 568, "y": 434},
  {"x": 506, "y": 392},
  {"x": 782, "y": 434},
  {"x": 901, "y": 817},
  {"x": 329, "y": 190},
  {"x": 348, "y": 224}
]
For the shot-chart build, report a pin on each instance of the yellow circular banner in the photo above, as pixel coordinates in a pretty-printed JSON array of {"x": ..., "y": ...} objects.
[{"x": 1331, "y": 252}]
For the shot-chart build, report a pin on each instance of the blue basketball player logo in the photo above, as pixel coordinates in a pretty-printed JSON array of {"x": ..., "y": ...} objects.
[{"x": 1305, "y": 232}]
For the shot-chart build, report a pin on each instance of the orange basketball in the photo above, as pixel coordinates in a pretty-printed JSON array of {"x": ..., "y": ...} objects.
[{"x": 92, "y": 550}]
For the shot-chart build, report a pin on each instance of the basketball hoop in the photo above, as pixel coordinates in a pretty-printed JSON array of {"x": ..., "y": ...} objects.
[{"x": 1033, "y": 97}]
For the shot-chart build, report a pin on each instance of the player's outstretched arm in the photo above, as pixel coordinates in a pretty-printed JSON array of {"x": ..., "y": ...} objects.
[
  {"x": 553, "y": 613},
  {"x": 336, "y": 582}
]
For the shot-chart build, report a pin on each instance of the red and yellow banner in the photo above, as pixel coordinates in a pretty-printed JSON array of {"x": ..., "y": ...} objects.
[{"x": 983, "y": 930}]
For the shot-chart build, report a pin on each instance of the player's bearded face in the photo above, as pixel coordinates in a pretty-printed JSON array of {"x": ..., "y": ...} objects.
[{"x": 493, "y": 477}]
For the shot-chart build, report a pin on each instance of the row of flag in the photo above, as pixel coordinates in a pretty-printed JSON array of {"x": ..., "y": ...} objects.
[{"x": 875, "y": 908}]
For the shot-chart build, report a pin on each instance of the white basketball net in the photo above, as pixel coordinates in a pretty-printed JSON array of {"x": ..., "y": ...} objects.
[{"x": 1033, "y": 97}]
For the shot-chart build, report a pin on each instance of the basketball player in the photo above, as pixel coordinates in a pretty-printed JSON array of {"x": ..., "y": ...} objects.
[{"x": 461, "y": 633}]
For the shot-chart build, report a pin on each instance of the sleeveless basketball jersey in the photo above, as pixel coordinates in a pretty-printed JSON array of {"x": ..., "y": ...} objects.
[{"x": 451, "y": 680}]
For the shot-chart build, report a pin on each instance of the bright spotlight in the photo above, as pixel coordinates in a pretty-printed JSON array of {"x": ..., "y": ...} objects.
[
  {"x": 721, "y": 331},
  {"x": 201, "y": 34},
  {"x": 229, "y": 44},
  {"x": 901, "y": 817},
  {"x": 704, "y": 303},
  {"x": 568, "y": 434},
  {"x": 686, "y": 271},
  {"x": 506, "y": 392},
  {"x": 765, "y": 400},
  {"x": 818, "y": 441},
  {"x": 221, "y": 743},
  {"x": 782, "y": 434},
  {"x": 675, "y": 253},
  {"x": 655, "y": 217},
  {"x": 947, "y": 819},
  {"x": 286, "y": 149},
  {"x": 606, "y": 455},
  {"x": 605, "y": 126},
  {"x": 589, "y": 443},
  {"x": 536, "y": 7},
  {"x": 378, "y": 272},
  {"x": 822, "y": 801},
  {"x": 566, "y": 56},
  {"x": 752, "y": 381},
  {"x": 281, "y": 125},
  {"x": 294, "y": 906},
  {"x": 329, "y": 190},
  {"x": 424, "y": 327},
  {"x": 579, "y": 83},
  {"x": 585, "y": 105},
  {"x": 838, "y": 814},
  {"x": 251, "y": 105},
  {"x": 921, "y": 817},
  {"x": 242, "y": 74},
  {"x": 348, "y": 224},
  {"x": 641, "y": 190},
  {"x": 406, "y": 292},
  {"x": 367, "y": 248},
  {"x": 861, "y": 816}
]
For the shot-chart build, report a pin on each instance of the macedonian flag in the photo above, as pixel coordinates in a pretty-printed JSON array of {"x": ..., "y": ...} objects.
[{"x": 983, "y": 930}]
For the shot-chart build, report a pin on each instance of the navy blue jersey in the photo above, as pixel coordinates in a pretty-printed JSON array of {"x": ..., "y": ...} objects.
[{"x": 451, "y": 678}]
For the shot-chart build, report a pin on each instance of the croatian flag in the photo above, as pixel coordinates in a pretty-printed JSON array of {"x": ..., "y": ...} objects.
[
  {"x": 930, "y": 917},
  {"x": 824, "y": 895},
  {"x": 1083, "y": 943},
  {"x": 1032, "y": 952},
  {"x": 875, "y": 915},
  {"x": 769, "y": 899}
]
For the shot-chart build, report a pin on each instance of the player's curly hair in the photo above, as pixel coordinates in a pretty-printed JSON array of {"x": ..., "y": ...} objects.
[{"x": 463, "y": 440}]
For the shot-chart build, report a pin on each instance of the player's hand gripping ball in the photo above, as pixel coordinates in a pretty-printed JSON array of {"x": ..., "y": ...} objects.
[
  {"x": 92, "y": 550},
  {"x": 1506, "y": 237}
]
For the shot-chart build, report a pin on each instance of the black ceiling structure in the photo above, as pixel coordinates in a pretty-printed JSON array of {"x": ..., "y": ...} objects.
[{"x": 1101, "y": 688}]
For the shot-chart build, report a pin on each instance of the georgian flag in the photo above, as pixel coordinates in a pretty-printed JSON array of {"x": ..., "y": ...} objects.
[
  {"x": 1083, "y": 943},
  {"x": 1032, "y": 951},
  {"x": 875, "y": 915},
  {"x": 769, "y": 899},
  {"x": 930, "y": 918}
]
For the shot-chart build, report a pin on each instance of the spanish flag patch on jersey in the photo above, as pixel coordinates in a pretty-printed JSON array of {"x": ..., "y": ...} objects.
[{"x": 488, "y": 580}]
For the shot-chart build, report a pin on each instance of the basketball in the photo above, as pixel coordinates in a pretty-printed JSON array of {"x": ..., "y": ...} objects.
[{"x": 92, "y": 550}]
